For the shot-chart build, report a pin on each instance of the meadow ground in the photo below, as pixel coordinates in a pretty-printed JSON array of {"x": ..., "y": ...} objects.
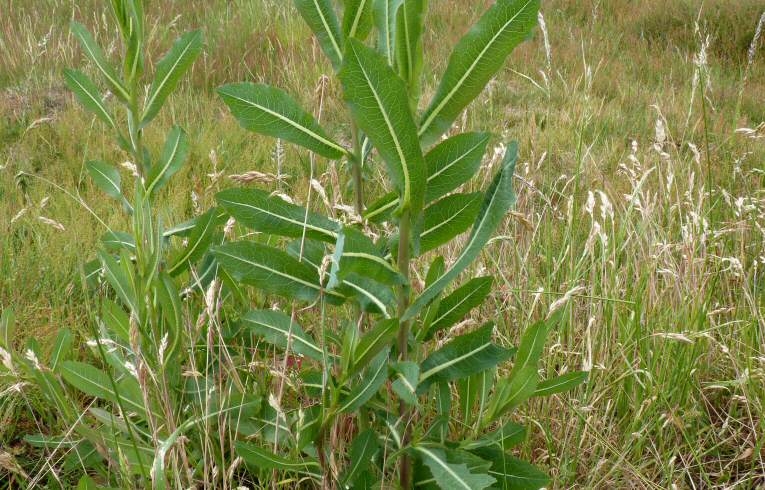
[{"x": 641, "y": 201}]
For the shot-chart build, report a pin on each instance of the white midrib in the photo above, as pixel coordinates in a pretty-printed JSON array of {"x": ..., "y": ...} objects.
[
  {"x": 396, "y": 142},
  {"x": 372, "y": 344},
  {"x": 286, "y": 334},
  {"x": 452, "y": 362},
  {"x": 371, "y": 297},
  {"x": 292, "y": 123},
  {"x": 98, "y": 103},
  {"x": 447, "y": 221},
  {"x": 356, "y": 19},
  {"x": 161, "y": 85},
  {"x": 112, "y": 182},
  {"x": 457, "y": 305},
  {"x": 167, "y": 164},
  {"x": 303, "y": 224},
  {"x": 426, "y": 124},
  {"x": 445, "y": 467},
  {"x": 105, "y": 70},
  {"x": 370, "y": 257},
  {"x": 362, "y": 392},
  {"x": 191, "y": 249},
  {"x": 324, "y": 22}
]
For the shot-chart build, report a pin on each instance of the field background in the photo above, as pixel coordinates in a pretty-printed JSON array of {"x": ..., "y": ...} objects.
[{"x": 625, "y": 119}]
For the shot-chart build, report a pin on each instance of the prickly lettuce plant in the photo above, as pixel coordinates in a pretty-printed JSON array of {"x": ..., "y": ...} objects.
[
  {"x": 374, "y": 367},
  {"x": 156, "y": 394}
]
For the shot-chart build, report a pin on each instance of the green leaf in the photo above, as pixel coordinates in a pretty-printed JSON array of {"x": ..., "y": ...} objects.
[
  {"x": 357, "y": 19},
  {"x": 377, "y": 98},
  {"x": 7, "y": 322},
  {"x": 271, "y": 270},
  {"x": 107, "y": 178},
  {"x": 409, "y": 23},
  {"x": 114, "y": 241},
  {"x": 61, "y": 348},
  {"x": 270, "y": 111},
  {"x": 361, "y": 256},
  {"x": 86, "y": 483},
  {"x": 172, "y": 311},
  {"x": 198, "y": 242},
  {"x": 451, "y": 475},
  {"x": 372, "y": 296},
  {"x": 447, "y": 218},
  {"x": 559, "y": 384},
  {"x": 258, "y": 210},
  {"x": 170, "y": 69},
  {"x": 463, "y": 356},
  {"x": 385, "y": 12},
  {"x": 504, "y": 438},
  {"x": 278, "y": 329},
  {"x": 512, "y": 473},
  {"x": 173, "y": 157},
  {"x": 119, "y": 280},
  {"x": 498, "y": 199},
  {"x": 93, "y": 51},
  {"x": 423, "y": 478},
  {"x": 321, "y": 19},
  {"x": 94, "y": 382},
  {"x": 475, "y": 60},
  {"x": 456, "y": 306},
  {"x": 364, "y": 448},
  {"x": 453, "y": 162},
  {"x": 373, "y": 342},
  {"x": 406, "y": 379},
  {"x": 116, "y": 320},
  {"x": 369, "y": 385},
  {"x": 474, "y": 390},
  {"x": 261, "y": 458},
  {"x": 88, "y": 95}
]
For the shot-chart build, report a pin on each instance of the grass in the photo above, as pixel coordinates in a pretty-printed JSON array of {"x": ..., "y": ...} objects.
[{"x": 664, "y": 282}]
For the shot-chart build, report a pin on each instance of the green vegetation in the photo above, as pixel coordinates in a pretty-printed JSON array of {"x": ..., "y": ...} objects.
[{"x": 624, "y": 124}]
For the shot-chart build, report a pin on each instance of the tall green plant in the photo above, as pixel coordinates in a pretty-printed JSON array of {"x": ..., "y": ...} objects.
[{"x": 384, "y": 381}]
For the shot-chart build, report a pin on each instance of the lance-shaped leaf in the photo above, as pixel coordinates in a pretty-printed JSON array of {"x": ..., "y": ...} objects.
[
  {"x": 261, "y": 458},
  {"x": 357, "y": 19},
  {"x": 474, "y": 395},
  {"x": 271, "y": 270},
  {"x": 7, "y": 324},
  {"x": 498, "y": 199},
  {"x": 198, "y": 242},
  {"x": 385, "y": 12},
  {"x": 409, "y": 22},
  {"x": 321, "y": 19},
  {"x": 423, "y": 478},
  {"x": 562, "y": 383},
  {"x": 94, "y": 382},
  {"x": 450, "y": 164},
  {"x": 108, "y": 179},
  {"x": 174, "y": 155},
  {"x": 368, "y": 385},
  {"x": 447, "y": 218},
  {"x": 456, "y": 306},
  {"x": 170, "y": 69},
  {"x": 512, "y": 473},
  {"x": 96, "y": 55},
  {"x": 88, "y": 95},
  {"x": 61, "y": 348},
  {"x": 475, "y": 60},
  {"x": 379, "y": 105},
  {"x": 372, "y": 343},
  {"x": 452, "y": 474},
  {"x": 278, "y": 329},
  {"x": 272, "y": 112},
  {"x": 119, "y": 279},
  {"x": 504, "y": 438},
  {"x": 115, "y": 241},
  {"x": 406, "y": 379},
  {"x": 363, "y": 449},
  {"x": 258, "y": 210},
  {"x": 463, "y": 356},
  {"x": 361, "y": 256},
  {"x": 522, "y": 382}
]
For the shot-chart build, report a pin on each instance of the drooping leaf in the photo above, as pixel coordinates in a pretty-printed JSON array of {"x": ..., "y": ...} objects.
[
  {"x": 271, "y": 270},
  {"x": 423, "y": 478},
  {"x": 361, "y": 256},
  {"x": 264, "y": 213},
  {"x": 475, "y": 60},
  {"x": 363, "y": 449},
  {"x": 270, "y": 111},
  {"x": 278, "y": 329},
  {"x": 562, "y": 383},
  {"x": 406, "y": 380},
  {"x": 451, "y": 475},
  {"x": 88, "y": 95},
  {"x": 456, "y": 306},
  {"x": 108, "y": 179},
  {"x": 322, "y": 20},
  {"x": 357, "y": 19},
  {"x": 173, "y": 157},
  {"x": 512, "y": 473},
  {"x": 96, "y": 55},
  {"x": 261, "y": 458},
  {"x": 372, "y": 296},
  {"x": 447, "y": 218},
  {"x": 497, "y": 201},
  {"x": 368, "y": 385},
  {"x": 372, "y": 342},
  {"x": 385, "y": 12},
  {"x": 198, "y": 242},
  {"x": 463, "y": 356},
  {"x": 170, "y": 69},
  {"x": 378, "y": 101},
  {"x": 453, "y": 162}
]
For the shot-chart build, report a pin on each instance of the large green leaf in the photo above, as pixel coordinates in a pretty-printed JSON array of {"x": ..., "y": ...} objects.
[
  {"x": 258, "y": 457},
  {"x": 475, "y": 60},
  {"x": 271, "y": 270},
  {"x": 562, "y": 383},
  {"x": 170, "y": 69},
  {"x": 96, "y": 55},
  {"x": 321, "y": 18},
  {"x": 94, "y": 382},
  {"x": 512, "y": 473},
  {"x": 385, "y": 12},
  {"x": 278, "y": 329},
  {"x": 173, "y": 157},
  {"x": 504, "y": 438},
  {"x": 198, "y": 242},
  {"x": 107, "y": 178},
  {"x": 463, "y": 356},
  {"x": 369, "y": 385},
  {"x": 361, "y": 256},
  {"x": 7, "y": 324},
  {"x": 451, "y": 475},
  {"x": 61, "y": 348},
  {"x": 357, "y": 19},
  {"x": 363, "y": 448},
  {"x": 407, "y": 376},
  {"x": 409, "y": 23},
  {"x": 270, "y": 111},
  {"x": 498, "y": 199},
  {"x": 119, "y": 279},
  {"x": 474, "y": 394},
  {"x": 264, "y": 213},
  {"x": 88, "y": 95},
  {"x": 373, "y": 342},
  {"x": 447, "y": 218},
  {"x": 454, "y": 307},
  {"x": 378, "y": 101}
]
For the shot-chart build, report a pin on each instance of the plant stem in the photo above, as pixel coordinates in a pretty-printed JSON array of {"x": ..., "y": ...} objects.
[
  {"x": 405, "y": 465},
  {"x": 356, "y": 164}
]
